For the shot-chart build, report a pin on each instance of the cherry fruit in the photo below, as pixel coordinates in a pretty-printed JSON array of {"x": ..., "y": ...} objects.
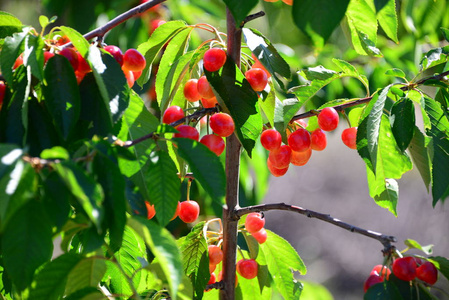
[
  {"x": 209, "y": 103},
  {"x": 349, "y": 137},
  {"x": 71, "y": 55},
  {"x": 47, "y": 56},
  {"x": 372, "y": 280},
  {"x": 2, "y": 92},
  {"x": 214, "y": 143},
  {"x": 260, "y": 236},
  {"x": 214, "y": 59},
  {"x": 254, "y": 222},
  {"x": 270, "y": 139},
  {"x": 381, "y": 271},
  {"x": 186, "y": 131},
  {"x": 257, "y": 78},
  {"x": 301, "y": 158},
  {"x": 280, "y": 158},
  {"x": 204, "y": 88},
  {"x": 215, "y": 254},
  {"x": 191, "y": 90},
  {"x": 405, "y": 268},
  {"x": 328, "y": 119},
  {"x": 318, "y": 140},
  {"x": 150, "y": 210},
  {"x": 427, "y": 272},
  {"x": 133, "y": 60},
  {"x": 275, "y": 171},
  {"x": 116, "y": 53},
  {"x": 247, "y": 268},
  {"x": 172, "y": 114},
  {"x": 299, "y": 140},
  {"x": 222, "y": 124},
  {"x": 190, "y": 210},
  {"x": 212, "y": 278}
]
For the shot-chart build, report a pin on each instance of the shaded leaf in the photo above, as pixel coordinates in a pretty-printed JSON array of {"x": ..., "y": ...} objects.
[
  {"x": 420, "y": 155},
  {"x": 395, "y": 72},
  {"x": 402, "y": 119},
  {"x": 442, "y": 264},
  {"x": 9, "y": 25},
  {"x": 11, "y": 168},
  {"x": 12, "y": 47},
  {"x": 87, "y": 273},
  {"x": 240, "y": 9}
]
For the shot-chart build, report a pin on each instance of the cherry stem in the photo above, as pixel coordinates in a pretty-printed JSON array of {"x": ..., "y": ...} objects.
[
  {"x": 386, "y": 240},
  {"x": 189, "y": 184}
]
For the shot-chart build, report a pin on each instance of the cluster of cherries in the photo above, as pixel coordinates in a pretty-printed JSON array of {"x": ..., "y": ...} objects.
[
  {"x": 301, "y": 142},
  {"x": 406, "y": 268}
]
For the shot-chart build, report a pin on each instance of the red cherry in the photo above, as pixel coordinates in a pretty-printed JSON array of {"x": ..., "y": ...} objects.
[
  {"x": 427, "y": 272},
  {"x": 178, "y": 209},
  {"x": 254, "y": 222},
  {"x": 191, "y": 90},
  {"x": 116, "y": 53},
  {"x": 2, "y": 92},
  {"x": 155, "y": 24},
  {"x": 288, "y": 2},
  {"x": 328, "y": 119},
  {"x": 301, "y": 158},
  {"x": 349, "y": 137},
  {"x": 372, "y": 280},
  {"x": 280, "y": 158},
  {"x": 150, "y": 210},
  {"x": 137, "y": 75},
  {"x": 381, "y": 271},
  {"x": 275, "y": 171},
  {"x": 222, "y": 124},
  {"x": 215, "y": 254},
  {"x": 47, "y": 56},
  {"x": 133, "y": 60},
  {"x": 186, "y": 131},
  {"x": 204, "y": 88},
  {"x": 270, "y": 139},
  {"x": 212, "y": 279},
  {"x": 258, "y": 64},
  {"x": 172, "y": 114},
  {"x": 257, "y": 78},
  {"x": 296, "y": 125},
  {"x": 260, "y": 236},
  {"x": 209, "y": 103},
  {"x": 129, "y": 75},
  {"x": 71, "y": 55},
  {"x": 62, "y": 40},
  {"x": 299, "y": 140},
  {"x": 214, "y": 143},
  {"x": 212, "y": 268},
  {"x": 247, "y": 268},
  {"x": 79, "y": 76},
  {"x": 18, "y": 62},
  {"x": 318, "y": 140},
  {"x": 189, "y": 212},
  {"x": 214, "y": 59},
  {"x": 83, "y": 66},
  {"x": 405, "y": 268}
]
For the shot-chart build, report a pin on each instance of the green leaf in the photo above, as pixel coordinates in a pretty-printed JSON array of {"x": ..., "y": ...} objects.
[
  {"x": 355, "y": 115},
  {"x": 54, "y": 153},
  {"x": 52, "y": 279},
  {"x": 61, "y": 93},
  {"x": 316, "y": 22},
  {"x": 442, "y": 264},
  {"x": 362, "y": 23},
  {"x": 281, "y": 260},
  {"x": 383, "y": 291},
  {"x": 77, "y": 39},
  {"x": 26, "y": 243},
  {"x": 387, "y": 18},
  {"x": 315, "y": 291},
  {"x": 33, "y": 55},
  {"x": 165, "y": 79},
  {"x": 56, "y": 197},
  {"x": 283, "y": 113},
  {"x": 88, "y": 272},
  {"x": 9, "y": 25},
  {"x": 164, "y": 186},
  {"x": 350, "y": 70},
  {"x": 402, "y": 119},
  {"x": 395, "y": 72},
  {"x": 445, "y": 32},
  {"x": 420, "y": 155},
  {"x": 43, "y": 21},
  {"x": 236, "y": 97},
  {"x": 89, "y": 293},
  {"x": 240, "y": 9},
  {"x": 163, "y": 246},
  {"x": 11, "y": 168},
  {"x": 267, "y": 104},
  {"x": 87, "y": 192},
  {"x": 265, "y": 52},
  {"x": 206, "y": 167},
  {"x": 195, "y": 258},
  {"x": 156, "y": 43},
  {"x": 11, "y": 49},
  {"x": 434, "y": 57},
  {"x": 412, "y": 244}
]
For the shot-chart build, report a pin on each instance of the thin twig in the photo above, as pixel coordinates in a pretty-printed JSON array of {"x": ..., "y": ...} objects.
[
  {"x": 252, "y": 17},
  {"x": 386, "y": 240}
]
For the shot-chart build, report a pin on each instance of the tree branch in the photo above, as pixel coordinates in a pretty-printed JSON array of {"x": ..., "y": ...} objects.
[{"x": 386, "y": 240}]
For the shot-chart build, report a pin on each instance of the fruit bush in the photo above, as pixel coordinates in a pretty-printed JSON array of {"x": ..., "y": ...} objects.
[{"x": 128, "y": 159}]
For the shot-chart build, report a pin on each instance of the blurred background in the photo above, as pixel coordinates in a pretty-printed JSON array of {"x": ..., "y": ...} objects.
[{"x": 334, "y": 180}]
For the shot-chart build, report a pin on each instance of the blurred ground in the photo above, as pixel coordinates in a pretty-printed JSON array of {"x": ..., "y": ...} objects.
[{"x": 334, "y": 182}]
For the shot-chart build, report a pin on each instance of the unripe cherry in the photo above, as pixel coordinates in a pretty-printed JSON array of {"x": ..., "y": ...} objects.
[
  {"x": 150, "y": 210},
  {"x": 215, "y": 254},
  {"x": 209, "y": 103}
]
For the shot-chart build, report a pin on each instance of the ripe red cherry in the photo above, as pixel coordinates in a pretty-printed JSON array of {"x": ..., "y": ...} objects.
[
  {"x": 280, "y": 158},
  {"x": 209, "y": 103},
  {"x": 257, "y": 78},
  {"x": 2, "y": 92},
  {"x": 204, "y": 88},
  {"x": 18, "y": 62},
  {"x": 405, "y": 268},
  {"x": 47, "y": 56},
  {"x": 301, "y": 158},
  {"x": 133, "y": 60},
  {"x": 270, "y": 139},
  {"x": 83, "y": 66},
  {"x": 172, "y": 114},
  {"x": 222, "y": 124},
  {"x": 212, "y": 278},
  {"x": 299, "y": 140},
  {"x": 275, "y": 171},
  {"x": 349, "y": 137},
  {"x": 129, "y": 75},
  {"x": 214, "y": 143},
  {"x": 318, "y": 140},
  {"x": 328, "y": 119},
  {"x": 215, "y": 254},
  {"x": 427, "y": 272},
  {"x": 186, "y": 131},
  {"x": 381, "y": 271},
  {"x": 190, "y": 210},
  {"x": 247, "y": 268},
  {"x": 258, "y": 64},
  {"x": 254, "y": 222},
  {"x": 71, "y": 55},
  {"x": 214, "y": 59},
  {"x": 178, "y": 209},
  {"x": 260, "y": 236},
  {"x": 150, "y": 210},
  {"x": 191, "y": 90},
  {"x": 372, "y": 280},
  {"x": 116, "y": 53},
  {"x": 288, "y": 2}
]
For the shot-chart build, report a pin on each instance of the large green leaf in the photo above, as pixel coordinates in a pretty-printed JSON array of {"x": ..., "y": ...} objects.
[
  {"x": 61, "y": 94},
  {"x": 52, "y": 279},
  {"x": 9, "y": 25},
  {"x": 56, "y": 197},
  {"x": 12, "y": 47},
  {"x": 442, "y": 264},
  {"x": 387, "y": 18},
  {"x": 420, "y": 155},
  {"x": 11, "y": 168},
  {"x": 164, "y": 185},
  {"x": 87, "y": 273},
  {"x": 237, "y": 97},
  {"x": 33, "y": 55},
  {"x": 384, "y": 291},
  {"x": 26, "y": 243},
  {"x": 195, "y": 259},
  {"x": 163, "y": 246},
  {"x": 402, "y": 119},
  {"x": 156, "y": 43},
  {"x": 206, "y": 167},
  {"x": 265, "y": 52},
  {"x": 281, "y": 260},
  {"x": 319, "y": 18},
  {"x": 240, "y": 9}
]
